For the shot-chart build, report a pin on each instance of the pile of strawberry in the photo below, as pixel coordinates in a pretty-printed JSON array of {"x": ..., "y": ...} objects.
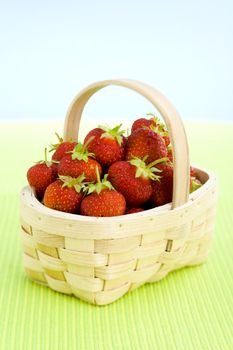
[{"x": 109, "y": 174}]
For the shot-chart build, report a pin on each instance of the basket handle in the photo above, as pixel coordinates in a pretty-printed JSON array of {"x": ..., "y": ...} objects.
[{"x": 168, "y": 112}]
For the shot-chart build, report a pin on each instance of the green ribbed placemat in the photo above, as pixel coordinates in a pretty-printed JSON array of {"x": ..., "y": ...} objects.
[{"x": 189, "y": 309}]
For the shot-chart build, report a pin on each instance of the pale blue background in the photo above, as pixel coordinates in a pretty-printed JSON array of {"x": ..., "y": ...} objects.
[{"x": 49, "y": 50}]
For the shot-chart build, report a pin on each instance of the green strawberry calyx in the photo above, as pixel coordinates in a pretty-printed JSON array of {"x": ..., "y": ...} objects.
[
  {"x": 99, "y": 185},
  {"x": 147, "y": 170},
  {"x": 114, "y": 134},
  {"x": 81, "y": 152},
  {"x": 157, "y": 126},
  {"x": 54, "y": 146},
  {"x": 70, "y": 182},
  {"x": 154, "y": 118},
  {"x": 159, "y": 129}
]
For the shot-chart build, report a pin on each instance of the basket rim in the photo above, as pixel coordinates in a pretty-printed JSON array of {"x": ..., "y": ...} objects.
[{"x": 27, "y": 196}]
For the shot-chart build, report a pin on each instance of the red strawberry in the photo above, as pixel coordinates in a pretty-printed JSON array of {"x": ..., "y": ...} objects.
[
  {"x": 106, "y": 203},
  {"x": 154, "y": 124},
  {"x": 133, "y": 179},
  {"x": 75, "y": 167},
  {"x": 141, "y": 122},
  {"x": 41, "y": 175},
  {"x": 62, "y": 148},
  {"x": 162, "y": 189},
  {"x": 107, "y": 144},
  {"x": 123, "y": 146},
  {"x": 64, "y": 194},
  {"x": 54, "y": 167},
  {"x": 144, "y": 142},
  {"x": 134, "y": 210},
  {"x": 78, "y": 162},
  {"x": 160, "y": 128},
  {"x": 166, "y": 139},
  {"x": 103, "y": 200}
]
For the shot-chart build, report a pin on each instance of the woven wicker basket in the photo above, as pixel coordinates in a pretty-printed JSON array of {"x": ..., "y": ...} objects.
[{"x": 100, "y": 259}]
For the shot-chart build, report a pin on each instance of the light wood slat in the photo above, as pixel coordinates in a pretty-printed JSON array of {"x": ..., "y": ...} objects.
[
  {"x": 84, "y": 283},
  {"x": 51, "y": 263},
  {"x": 48, "y": 239},
  {"x": 81, "y": 258},
  {"x": 59, "y": 286}
]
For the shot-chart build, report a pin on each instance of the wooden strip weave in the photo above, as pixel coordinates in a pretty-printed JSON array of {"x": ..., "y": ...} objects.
[{"x": 101, "y": 270}]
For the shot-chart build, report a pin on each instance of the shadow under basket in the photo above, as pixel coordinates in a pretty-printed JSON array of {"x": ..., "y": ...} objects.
[{"x": 101, "y": 259}]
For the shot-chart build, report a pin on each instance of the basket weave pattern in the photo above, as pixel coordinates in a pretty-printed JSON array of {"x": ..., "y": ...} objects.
[
  {"x": 98, "y": 268},
  {"x": 100, "y": 259}
]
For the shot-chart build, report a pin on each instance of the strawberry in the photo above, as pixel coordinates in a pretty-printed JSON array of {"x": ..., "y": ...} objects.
[
  {"x": 103, "y": 200},
  {"x": 133, "y": 179},
  {"x": 140, "y": 123},
  {"x": 144, "y": 142},
  {"x": 107, "y": 144},
  {"x": 64, "y": 194},
  {"x": 61, "y": 148},
  {"x": 41, "y": 175},
  {"x": 134, "y": 210},
  {"x": 154, "y": 124},
  {"x": 79, "y": 161},
  {"x": 54, "y": 167},
  {"x": 106, "y": 203},
  {"x": 160, "y": 128},
  {"x": 123, "y": 146},
  {"x": 162, "y": 189},
  {"x": 166, "y": 139}
]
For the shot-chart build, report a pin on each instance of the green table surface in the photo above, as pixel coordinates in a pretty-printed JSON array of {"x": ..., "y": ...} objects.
[{"x": 190, "y": 309}]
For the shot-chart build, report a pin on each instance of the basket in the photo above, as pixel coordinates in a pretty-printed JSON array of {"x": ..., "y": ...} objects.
[{"x": 101, "y": 259}]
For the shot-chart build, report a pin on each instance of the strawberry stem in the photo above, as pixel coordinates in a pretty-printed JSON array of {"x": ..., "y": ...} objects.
[
  {"x": 145, "y": 170},
  {"x": 45, "y": 160},
  {"x": 45, "y": 155},
  {"x": 60, "y": 139},
  {"x": 99, "y": 185},
  {"x": 157, "y": 161},
  {"x": 155, "y": 117},
  {"x": 79, "y": 152},
  {"x": 54, "y": 146}
]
